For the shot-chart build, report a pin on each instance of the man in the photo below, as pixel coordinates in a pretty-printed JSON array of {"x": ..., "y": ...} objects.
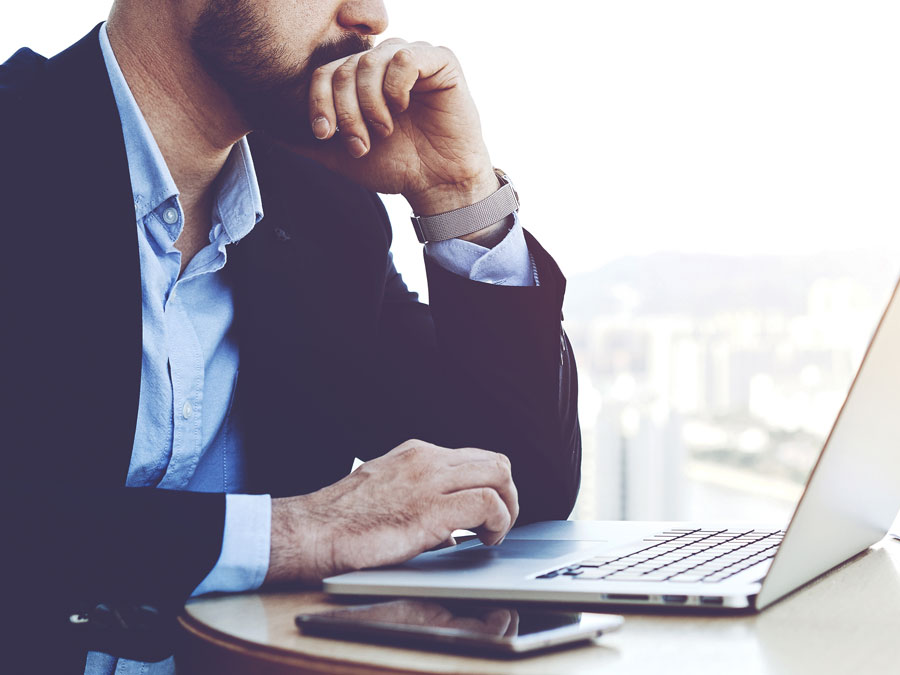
[{"x": 189, "y": 313}]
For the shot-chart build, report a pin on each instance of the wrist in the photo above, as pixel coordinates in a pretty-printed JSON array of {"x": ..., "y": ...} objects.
[
  {"x": 449, "y": 196},
  {"x": 297, "y": 544},
  {"x": 492, "y": 235}
]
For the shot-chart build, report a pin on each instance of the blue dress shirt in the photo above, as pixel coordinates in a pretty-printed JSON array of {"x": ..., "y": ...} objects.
[{"x": 188, "y": 435}]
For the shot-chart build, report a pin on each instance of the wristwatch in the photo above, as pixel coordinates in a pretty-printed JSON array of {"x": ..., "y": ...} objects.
[{"x": 471, "y": 218}]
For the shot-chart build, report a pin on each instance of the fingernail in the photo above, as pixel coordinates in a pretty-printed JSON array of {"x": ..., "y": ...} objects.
[
  {"x": 356, "y": 146},
  {"x": 321, "y": 127}
]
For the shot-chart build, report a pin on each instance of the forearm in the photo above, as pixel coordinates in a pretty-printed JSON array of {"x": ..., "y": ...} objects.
[
  {"x": 509, "y": 354},
  {"x": 485, "y": 366}
]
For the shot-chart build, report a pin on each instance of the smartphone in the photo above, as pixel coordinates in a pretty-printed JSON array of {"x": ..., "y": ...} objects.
[{"x": 458, "y": 627}]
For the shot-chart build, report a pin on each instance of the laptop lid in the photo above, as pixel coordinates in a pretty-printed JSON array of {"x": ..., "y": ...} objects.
[{"x": 853, "y": 493}]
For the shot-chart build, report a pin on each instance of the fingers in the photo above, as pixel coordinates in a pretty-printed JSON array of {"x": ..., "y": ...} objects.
[
  {"x": 346, "y": 95},
  {"x": 348, "y": 115},
  {"x": 370, "y": 84},
  {"x": 360, "y": 95},
  {"x": 447, "y": 543},
  {"x": 453, "y": 478},
  {"x": 321, "y": 102},
  {"x": 471, "y": 468},
  {"x": 479, "y": 509},
  {"x": 400, "y": 77}
]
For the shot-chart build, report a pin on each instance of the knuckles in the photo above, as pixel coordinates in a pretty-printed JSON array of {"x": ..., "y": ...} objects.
[
  {"x": 368, "y": 61},
  {"x": 413, "y": 450},
  {"x": 318, "y": 102},
  {"x": 321, "y": 74},
  {"x": 448, "y": 53},
  {"x": 411, "y": 443},
  {"x": 345, "y": 120},
  {"x": 345, "y": 74},
  {"x": 403, "y": 57},
  {"x": 371, "y": 107}
]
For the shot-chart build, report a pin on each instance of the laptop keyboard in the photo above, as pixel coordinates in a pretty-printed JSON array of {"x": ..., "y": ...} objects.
[{"x": 687, "y": 555}]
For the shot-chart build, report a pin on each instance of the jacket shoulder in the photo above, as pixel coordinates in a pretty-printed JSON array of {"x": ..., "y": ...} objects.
[
  {"x": 20, "y": 68},
  {"x": 18, "y": 74}
]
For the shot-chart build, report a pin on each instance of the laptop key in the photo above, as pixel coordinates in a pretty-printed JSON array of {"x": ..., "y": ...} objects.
[
  {"x": 626, "y": 576},
  {"x": 687, "y": 578},
  {"x": 596, "y": 562}
]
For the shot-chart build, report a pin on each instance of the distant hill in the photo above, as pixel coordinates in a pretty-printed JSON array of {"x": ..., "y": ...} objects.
[{"x": 705, "y": 284}]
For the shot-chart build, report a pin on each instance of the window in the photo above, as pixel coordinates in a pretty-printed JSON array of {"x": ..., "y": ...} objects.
[{"x": 719, "y": 181}]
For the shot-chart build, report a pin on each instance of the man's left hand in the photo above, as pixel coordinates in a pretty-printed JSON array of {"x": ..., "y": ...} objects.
[{"x": 399, "y": 119}]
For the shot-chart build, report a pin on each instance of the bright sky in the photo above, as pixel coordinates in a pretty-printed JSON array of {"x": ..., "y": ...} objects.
[{"x": 636, "y": 126}]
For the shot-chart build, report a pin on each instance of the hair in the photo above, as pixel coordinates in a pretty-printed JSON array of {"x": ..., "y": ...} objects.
[{"x": 241, "y": 52}]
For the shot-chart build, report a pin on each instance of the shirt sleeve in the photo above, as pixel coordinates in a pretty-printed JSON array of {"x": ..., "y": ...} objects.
[
  {"x": 244, "y": 560},
  {"x": 509, "y": 263}
]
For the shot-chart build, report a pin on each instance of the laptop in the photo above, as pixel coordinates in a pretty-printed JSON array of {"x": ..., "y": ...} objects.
[{"x": 849, "y": 502}]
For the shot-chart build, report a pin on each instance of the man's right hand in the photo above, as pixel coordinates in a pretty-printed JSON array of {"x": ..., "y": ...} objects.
[{"x": 390, "y": 509}]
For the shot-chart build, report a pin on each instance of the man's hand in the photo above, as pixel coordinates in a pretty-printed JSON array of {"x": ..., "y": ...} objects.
[
  {"x": 391, "y": 509},
  {"x": 399, "y": 119}
]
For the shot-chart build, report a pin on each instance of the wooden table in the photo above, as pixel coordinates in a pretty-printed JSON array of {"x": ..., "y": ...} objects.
[{"x": 846, "y": 622}]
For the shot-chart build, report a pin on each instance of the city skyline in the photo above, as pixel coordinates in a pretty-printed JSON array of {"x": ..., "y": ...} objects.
[{"x": 725, "y": 394}]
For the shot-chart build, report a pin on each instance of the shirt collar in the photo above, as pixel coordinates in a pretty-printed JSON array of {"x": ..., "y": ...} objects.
[{"x": 238, "y": 204}]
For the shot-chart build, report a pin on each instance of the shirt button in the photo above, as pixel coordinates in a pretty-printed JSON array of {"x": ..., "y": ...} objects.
[
  {"x": 170, "y": 215},
  {"x": 187, "y": 410}
]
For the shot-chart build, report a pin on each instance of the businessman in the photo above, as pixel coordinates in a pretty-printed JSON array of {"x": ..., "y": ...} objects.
[{"x": 203, "y": 325}]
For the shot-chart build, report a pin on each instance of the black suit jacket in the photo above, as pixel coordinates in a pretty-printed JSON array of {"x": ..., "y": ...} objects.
[{"x": 338, "y": 359}]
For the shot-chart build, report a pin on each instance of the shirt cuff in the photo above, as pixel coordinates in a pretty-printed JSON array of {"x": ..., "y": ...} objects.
[
  {"x": 244, "y": 560},
  {"x": 507, "y": 264}
]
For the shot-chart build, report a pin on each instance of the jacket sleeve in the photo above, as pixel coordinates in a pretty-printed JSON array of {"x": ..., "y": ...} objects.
[
  {"x": 107, "y": 570},
  {"x": 486, "y": 366}
]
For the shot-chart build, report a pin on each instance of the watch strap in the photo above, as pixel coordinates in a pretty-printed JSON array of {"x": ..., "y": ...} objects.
[{"x": 468, "y": 219}]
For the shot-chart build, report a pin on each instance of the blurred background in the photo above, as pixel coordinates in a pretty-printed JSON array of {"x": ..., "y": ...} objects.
[{"x": 719, "y": 181}]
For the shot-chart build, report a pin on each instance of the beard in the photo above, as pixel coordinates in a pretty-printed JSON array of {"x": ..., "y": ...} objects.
[{"x": 240, "y": 52}]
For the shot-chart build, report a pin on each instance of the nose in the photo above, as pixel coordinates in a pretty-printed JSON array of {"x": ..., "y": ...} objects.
[{"x": 366, "y": 17}]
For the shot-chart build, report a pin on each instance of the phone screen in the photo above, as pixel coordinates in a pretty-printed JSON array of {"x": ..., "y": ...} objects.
[{"x": 448, "y": 624}]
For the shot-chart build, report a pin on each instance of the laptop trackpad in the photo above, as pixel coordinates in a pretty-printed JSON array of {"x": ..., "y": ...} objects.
[{"x": 478, "y": 556}]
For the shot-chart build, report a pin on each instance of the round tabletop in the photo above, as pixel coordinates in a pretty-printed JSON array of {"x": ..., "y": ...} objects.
[{"x": 846, "y": 621}]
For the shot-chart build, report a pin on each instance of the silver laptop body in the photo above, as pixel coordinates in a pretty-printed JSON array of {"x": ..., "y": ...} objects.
[{"x": 850, "y": 500}]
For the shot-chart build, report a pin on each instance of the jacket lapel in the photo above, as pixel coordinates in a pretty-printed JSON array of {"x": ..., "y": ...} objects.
[{"x": 93, "y": 325}]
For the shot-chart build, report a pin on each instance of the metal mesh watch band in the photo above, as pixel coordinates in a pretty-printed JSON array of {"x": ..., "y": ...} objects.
[{"x": 469, "y": 219}]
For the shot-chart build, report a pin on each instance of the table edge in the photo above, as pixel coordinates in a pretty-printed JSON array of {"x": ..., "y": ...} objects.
[{"x": 193, "y": 629}]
